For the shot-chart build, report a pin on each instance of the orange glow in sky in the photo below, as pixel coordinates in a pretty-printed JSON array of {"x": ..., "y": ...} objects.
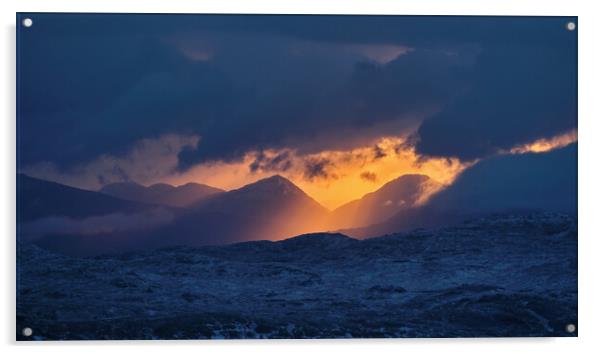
[
  {"x": 343, "y": 175},
  {"x": 338, "y": 176}
]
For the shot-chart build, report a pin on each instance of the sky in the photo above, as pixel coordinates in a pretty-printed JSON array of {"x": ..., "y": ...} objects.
[{"x": 338, "y": 104}]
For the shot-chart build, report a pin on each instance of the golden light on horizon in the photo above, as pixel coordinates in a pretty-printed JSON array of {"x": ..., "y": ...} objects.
[
  {"x": 334, "y": 177},
  {"x": 331, "y": 177}
]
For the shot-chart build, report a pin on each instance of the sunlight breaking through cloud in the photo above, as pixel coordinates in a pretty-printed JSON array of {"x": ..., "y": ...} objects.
[
  {"x": 332, "y": 177},
  {"x": 546, "y": 144}
]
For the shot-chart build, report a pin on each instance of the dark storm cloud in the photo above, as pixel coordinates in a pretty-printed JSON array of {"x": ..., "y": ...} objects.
[
  {"x": 317, "y": 168},
  {"x": 412, "y": 30},
  {"x": 379, "y": 153},
  {"x": 279, "y": 163},
  {"x": 312, "y": 106},
  {"x": 259, "y": 82},
  {"x": 90, "y": 96},
  {"x": 518, "y": 94}
]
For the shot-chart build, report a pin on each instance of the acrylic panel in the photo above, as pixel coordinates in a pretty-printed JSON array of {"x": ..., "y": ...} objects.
[{"x": 295, "y": 176}]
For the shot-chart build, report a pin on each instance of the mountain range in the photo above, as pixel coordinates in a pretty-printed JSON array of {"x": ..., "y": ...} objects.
[
  {"x": 75, "y": 221},
  {"x": 269, "y": 209},
  {"x": 67, "y": 219}
]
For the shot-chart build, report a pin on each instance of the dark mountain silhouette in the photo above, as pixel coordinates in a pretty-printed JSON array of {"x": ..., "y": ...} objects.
[
  {"x": 38, "y": 198},
  {"x": 272, "y": 208},
  {"x": 397, "y": 195},
  {"x": 161, "y": 193},
  {"x": 508, "y": 183},
  {"x": 269, "y": 209},
  {"x": 275, "y": 195}
]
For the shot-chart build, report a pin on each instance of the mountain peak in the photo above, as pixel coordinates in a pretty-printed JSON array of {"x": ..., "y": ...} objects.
[
  {"x": 274, "y": 183},
  {"x": 276, "y": 197},
  {"x": 408, "y": 178},
  {"x": 277, "y": 178}
]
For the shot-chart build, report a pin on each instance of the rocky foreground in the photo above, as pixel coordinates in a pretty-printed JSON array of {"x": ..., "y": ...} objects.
[{"x": 504, "y": 275}]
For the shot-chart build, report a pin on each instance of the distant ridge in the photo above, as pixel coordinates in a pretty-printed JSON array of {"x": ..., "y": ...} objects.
[
  {"x": 400, "y": 194},
  {"x": 161, "y": 193},
  {"x": 323, "y": 240},
  {"x": 39, "y": 198}
]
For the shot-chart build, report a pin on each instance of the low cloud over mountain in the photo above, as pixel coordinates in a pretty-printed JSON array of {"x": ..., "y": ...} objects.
[
  {"x": 274, "y": 208},
  {"x": 516, "y": 182},
  {"x": 402, "y": 193}
]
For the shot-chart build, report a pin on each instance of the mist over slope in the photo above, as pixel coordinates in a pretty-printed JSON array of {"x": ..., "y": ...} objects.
[
  {"x": 545, "y": 181},
  {"x": 274, "y": 208},
  {"x": 399, "y": 194},
  {"x": 269, "y": 209},
  {"x": 527, "y": 182}
]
